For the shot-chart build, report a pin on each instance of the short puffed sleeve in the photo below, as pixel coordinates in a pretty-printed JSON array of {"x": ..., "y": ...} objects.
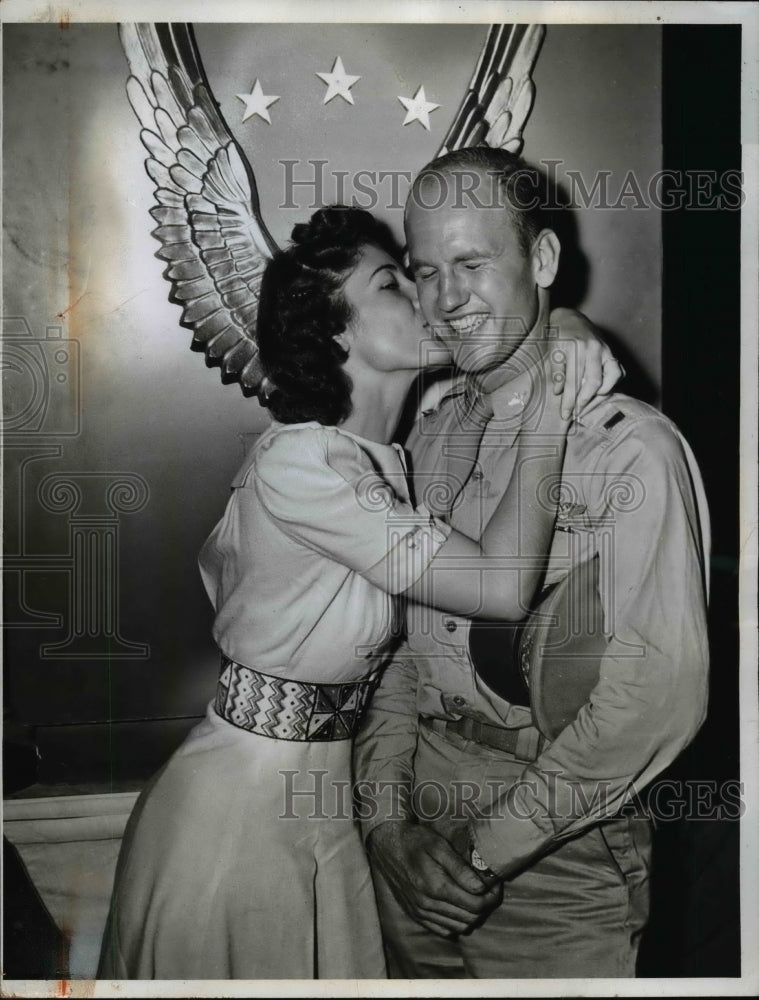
[{"x": 322, "y": 489}]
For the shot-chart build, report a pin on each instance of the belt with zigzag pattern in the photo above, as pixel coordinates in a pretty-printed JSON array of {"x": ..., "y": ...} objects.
[{"x": 290, "y": 710}]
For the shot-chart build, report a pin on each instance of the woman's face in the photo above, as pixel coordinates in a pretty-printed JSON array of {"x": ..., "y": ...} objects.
[{"x": 388, "y": 332}]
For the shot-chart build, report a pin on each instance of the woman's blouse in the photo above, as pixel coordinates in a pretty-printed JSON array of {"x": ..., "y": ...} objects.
[{"x": 318, "y": 537}]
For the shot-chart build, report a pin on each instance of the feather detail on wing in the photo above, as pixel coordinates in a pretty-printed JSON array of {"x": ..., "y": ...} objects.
[
  {"x": 499, "y": 98},
  {"x": 212, "y": 236}
]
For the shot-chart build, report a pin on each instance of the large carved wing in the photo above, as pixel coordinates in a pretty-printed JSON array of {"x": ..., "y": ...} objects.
[
  {"x": 500, "y": 95},
  {"x": 210, "y": 228}
]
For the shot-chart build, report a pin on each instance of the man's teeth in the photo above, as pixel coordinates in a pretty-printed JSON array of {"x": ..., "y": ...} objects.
[{"x": 467, "y": 324}]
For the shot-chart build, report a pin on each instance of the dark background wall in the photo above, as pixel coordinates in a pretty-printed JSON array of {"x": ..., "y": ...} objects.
[{"x": 695, "y": 928}]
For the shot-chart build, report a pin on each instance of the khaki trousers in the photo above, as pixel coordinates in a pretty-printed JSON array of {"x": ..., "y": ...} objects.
[{"x": 577, "y": 912}]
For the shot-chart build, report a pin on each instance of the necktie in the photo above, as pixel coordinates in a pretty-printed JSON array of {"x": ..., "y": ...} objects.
[{"x": 474, "y": 410}]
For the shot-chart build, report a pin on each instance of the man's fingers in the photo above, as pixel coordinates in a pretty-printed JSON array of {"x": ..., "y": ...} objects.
[
  {"x": 449, "y": 917},
  {"x": 441, "y": 928},
  {"x": 433, "y": 884},
  {"x": 444, "y": 910},
  {"x": 458, "y": 871},
  {"x": 452, "y": 921},
  {"x": 429, "y": 887},
  {"x": 494, "y": 893},
  {"x": 457, "y": 923},
  {"x": 439, "y": 893}
]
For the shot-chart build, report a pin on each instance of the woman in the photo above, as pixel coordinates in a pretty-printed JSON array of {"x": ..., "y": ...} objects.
[{"x": 241, "y": 859}]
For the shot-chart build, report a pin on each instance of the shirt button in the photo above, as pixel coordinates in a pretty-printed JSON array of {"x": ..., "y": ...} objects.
[
  {"x": 450, "y": 625},
  {"x": 477, "y": 475},
  {"x": 458, "y": 700}
]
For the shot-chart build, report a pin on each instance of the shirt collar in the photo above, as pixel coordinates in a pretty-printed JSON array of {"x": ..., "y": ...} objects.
[{"x": 384, "y": 454}]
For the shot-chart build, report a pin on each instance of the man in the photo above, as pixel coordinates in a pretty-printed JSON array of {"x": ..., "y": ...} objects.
[{"x": 536, "y": 877}]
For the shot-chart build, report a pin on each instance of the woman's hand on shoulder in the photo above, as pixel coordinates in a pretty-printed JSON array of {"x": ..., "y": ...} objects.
[{"x": 583, "y": 367}]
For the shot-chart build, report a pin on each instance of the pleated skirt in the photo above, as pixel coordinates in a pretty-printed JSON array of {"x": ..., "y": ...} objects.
[{"x": 241, "y": 860}]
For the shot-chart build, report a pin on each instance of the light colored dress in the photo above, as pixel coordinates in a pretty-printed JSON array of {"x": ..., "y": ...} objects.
[{"x": 242, "y": 858}]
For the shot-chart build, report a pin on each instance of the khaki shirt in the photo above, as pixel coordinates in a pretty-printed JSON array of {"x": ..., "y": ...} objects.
[{"x": 631, "y": 493}]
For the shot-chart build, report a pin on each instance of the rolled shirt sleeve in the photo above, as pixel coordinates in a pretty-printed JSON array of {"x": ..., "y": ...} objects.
[
  {"x": 323, "y": 490},
  {"x": 651, "y": 696}
]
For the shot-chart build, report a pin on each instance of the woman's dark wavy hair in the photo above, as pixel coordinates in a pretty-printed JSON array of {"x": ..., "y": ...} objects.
[{"x": 302, "y": 310}]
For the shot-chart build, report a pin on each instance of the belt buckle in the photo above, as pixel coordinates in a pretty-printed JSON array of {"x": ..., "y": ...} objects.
[{"x": 528, "y": 745}]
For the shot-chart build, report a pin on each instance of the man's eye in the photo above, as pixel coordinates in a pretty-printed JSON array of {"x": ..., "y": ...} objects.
[
  {"x": 423, "y": 275},
  {"x": 472, "y": 265}
]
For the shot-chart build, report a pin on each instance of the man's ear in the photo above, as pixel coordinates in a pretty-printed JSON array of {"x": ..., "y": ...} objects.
[{"x": 545, "y": 258}]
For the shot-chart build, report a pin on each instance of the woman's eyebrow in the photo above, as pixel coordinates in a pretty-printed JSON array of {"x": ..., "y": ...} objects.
[{"x": 383, "y": 267}]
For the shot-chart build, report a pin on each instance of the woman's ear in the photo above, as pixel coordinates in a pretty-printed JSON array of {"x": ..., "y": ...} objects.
[
  {"x": 343, "y": 339},
  {"x": 545, "y": 258}
]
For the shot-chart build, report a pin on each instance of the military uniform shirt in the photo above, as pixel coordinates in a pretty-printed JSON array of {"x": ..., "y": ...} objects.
[{"x": 631, "y": 493}]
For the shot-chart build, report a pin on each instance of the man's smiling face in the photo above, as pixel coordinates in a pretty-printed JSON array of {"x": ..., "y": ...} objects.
[{"x": 476, "y": 284}]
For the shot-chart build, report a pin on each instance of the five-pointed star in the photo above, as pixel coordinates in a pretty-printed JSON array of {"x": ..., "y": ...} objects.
[
  {"x": 418, "y": 108},
  {"x": 256, "y": 103},
  {"x": 338, "y": 82}
]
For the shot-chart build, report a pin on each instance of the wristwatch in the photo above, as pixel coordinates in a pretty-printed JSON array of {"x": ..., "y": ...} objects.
[{"x": 479, "y": 865}]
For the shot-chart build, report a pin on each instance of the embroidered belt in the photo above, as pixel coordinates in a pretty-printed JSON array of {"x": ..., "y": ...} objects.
[{"x": 291, "y": 710}]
